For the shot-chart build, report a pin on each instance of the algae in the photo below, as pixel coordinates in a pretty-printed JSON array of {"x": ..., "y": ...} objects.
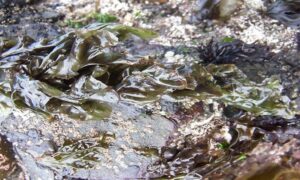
[{"x": 88, "y": 66}]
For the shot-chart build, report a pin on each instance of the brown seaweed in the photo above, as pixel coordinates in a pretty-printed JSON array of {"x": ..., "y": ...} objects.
[{"x": 71, "y": 73}]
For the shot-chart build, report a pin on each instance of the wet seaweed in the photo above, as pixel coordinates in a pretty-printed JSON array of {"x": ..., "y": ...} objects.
[
  {"x": 71, "y": 72},
  {"x": 83, "y": 73},
  {"x": 81, "y": 154},
  {"x": 231, "y": 51},
  {"x": 88, "y": 67},
  {"x": 285, "y": 11}
]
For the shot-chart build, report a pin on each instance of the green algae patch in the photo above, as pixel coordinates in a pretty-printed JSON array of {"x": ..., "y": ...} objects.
[{"x": 91, "y": 17}]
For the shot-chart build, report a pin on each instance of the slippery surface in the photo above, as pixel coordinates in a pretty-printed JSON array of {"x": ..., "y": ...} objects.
[{"x": 90, "y": 105}]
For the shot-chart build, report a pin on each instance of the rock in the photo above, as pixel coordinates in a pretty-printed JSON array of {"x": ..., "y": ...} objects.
[
  {"x": 227, "y": 7},
  {"x": 255, "y": 4},
  {"x": 6, "y": 3},
  {"x": 51, "y": 15},
  {"x": 35, "y": 31},
  {"x": 8, "y": 163},
  {"x": 216, "y": 9},
  {"x": 119, "y": 147}
]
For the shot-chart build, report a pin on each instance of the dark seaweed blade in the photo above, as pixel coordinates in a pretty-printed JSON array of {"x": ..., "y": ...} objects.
[
  {"x": 287, "y": 12},
  {"x": 233, "y": 52},
  {"x": 41, "y": 96}
]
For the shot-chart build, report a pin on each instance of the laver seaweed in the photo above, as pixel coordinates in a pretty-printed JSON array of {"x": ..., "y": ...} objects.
[
  {"x": 83, "y": 71},
  {"x": 70, "y": 72}
]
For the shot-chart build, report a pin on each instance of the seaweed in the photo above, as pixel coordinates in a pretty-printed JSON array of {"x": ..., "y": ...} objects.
[
  {"x": 87, "y": 69},
  {"x": 273, "y": 122},
  {"x": 285, "y": 11},
  {"x": 92, "y": 17},
  {"x": 230, "y": 51},
  {"x": 81, "y": 154},
  {"x": 71, "y": 73}
]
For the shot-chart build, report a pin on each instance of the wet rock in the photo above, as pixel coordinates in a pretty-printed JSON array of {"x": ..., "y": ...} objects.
[
  {"x": 214, "y": 9},
  {"x": 256, "y": 5},
  {"x": 28, "y": 15},
  {"x": 31, "y": 167},
  {"x": 227, "y": 7},
  {"x": 128, "y": 151},
  {"x": 9, "y": 167},
  {"x": 120, "y": 147},
  {"x": 6, "y": 3},
  {"x": 266, "y": 160},
  {"x": 36, "y": 31},
  {"x": 51, "y": 16}
]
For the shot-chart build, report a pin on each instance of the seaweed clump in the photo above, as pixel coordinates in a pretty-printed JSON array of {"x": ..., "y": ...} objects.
[
  {"x": 232, "y": 51},
  {"x": 83, "y": 71},
  {"x": 70, "y": 74},
  {"x": 287, "y": 12}
]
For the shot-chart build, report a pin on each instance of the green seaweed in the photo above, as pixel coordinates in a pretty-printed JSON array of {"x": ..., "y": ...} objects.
[
  {"x": 224, "y": 83},
  {"x": 74, "y": 23},
  {"x": 70, "y": 74},
  {"x": 227, "y": 39},
  {"x": 142, "y": 33},
  {"x": 81, "y": 154},
  {"x": 91, "y": 17},
  {"x": 103, "y": 17},
  {"x": 87, "y": 68}
]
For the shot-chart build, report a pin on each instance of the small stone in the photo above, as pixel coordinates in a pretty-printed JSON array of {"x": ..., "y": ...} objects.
[
  {"x": 255, "y": 4},
  {"x": 296, "y": 155}
]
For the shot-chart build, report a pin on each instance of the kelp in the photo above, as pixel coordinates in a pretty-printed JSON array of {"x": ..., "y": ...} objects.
[
  {"x": 224, "y": 83},
  {"x": 72, "y": 73},
  {"x": 286, "y": 11},
  {"x": 258, "y": 98},
  {"x": 83, "y": 71}
]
